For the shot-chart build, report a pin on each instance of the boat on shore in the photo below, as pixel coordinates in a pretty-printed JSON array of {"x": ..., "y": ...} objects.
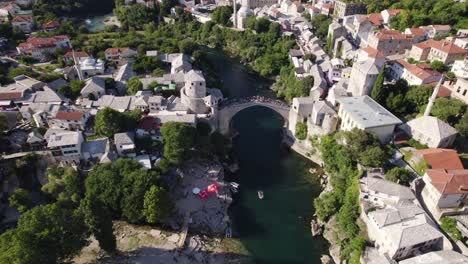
[{"x": 260, "y": 195}]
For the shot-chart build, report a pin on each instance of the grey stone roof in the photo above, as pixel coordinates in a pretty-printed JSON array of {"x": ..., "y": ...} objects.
[
  {"x": 431, "y": 127},
  {"x": 323, "y": 107},
  {"x": 63, "y": 139},
  {"x": 124, "y": 138},
  {"x": 34, "y": 137},
  {"x": 367, "y": 66},
  {"x": 194, "y": 76},
  {"x": 181, "y": 61},
  {"x": 390, "y": 188},
  {"x": 125, "y": 73},
  {"x": 296, "y": 53},
  {"x": 121, "y": 103},
  {"x": 437, "y": 257},
  {"x": 95, "y": 84},
  {"x": 95, "y": 146},
  {"x": 367, "y": 112},
  {"x": 391, "y": 216},
  {"x": 54, "y": 85},
  {"x": 48, "y": 96},
  {"x": 418, "y": 234}
]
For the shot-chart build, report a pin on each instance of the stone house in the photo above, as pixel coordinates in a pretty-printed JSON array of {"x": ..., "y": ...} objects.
[{"x": 441, "y": 50}]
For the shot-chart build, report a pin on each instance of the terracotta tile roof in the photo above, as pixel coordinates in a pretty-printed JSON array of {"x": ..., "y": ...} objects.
[
  {"x": 51, "y": 24},
  {"x": 75, "y": 115},
  {"x": 10, "y": 96},
  {"x": 116, "y": 50},
  {"x": 384, "y": 34},
  {"x": 328, "y": 6},
  {"x": 449, "y": 181},
  {"x": 419, "y": 71},
  {"x": 394, "y": 12},
  {"x": 22, "y": 18},
  {"x": 78, "y": 54},
  {"x": 441, "y": 158},
  {"x": 441, "y": 45},
  {"x": 375, "y": 18},
  {"x": 418, "y": 32},
  {"x": 373, "y": 53}
]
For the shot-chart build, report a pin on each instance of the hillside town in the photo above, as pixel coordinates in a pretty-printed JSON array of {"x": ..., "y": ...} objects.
[{"x": 128, "y": 128}]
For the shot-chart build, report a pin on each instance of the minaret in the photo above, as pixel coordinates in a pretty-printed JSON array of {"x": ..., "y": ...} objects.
[
  {"x": 234, "y": 5},
  {"x": 433, "y": 97},
  {"x": 78, "y": 67}
]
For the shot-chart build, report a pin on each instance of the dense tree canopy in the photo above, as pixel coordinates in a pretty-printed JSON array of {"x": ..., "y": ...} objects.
[
  {"x": 378, "y": 93},
  {"x": 221, "y": 15},
  {"x": 64, "y": 184},
  {"x": 400, "y": 175},
  {"x": 178, "y": 139},
  {"x": 45, "y": 234},
  {"x": 320, "y": 25},
  {"x": 48, "y": 9},
  {"x": 448, "y": 110},
  {"x": 135, "y": 15},
  {"x": 134, "y": 85},
  {"x": 301, "y": 131},
  {"x": 341, "y": 152},
  {"x": 109, "y": 121},
  {"x": 426, "y": 12},
  {"x": 157, "y": 204},
  {"x": 20, "y": 200}
]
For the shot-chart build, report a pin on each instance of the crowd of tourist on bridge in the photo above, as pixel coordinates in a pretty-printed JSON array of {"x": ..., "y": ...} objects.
[{"x": 257, "y": 98}]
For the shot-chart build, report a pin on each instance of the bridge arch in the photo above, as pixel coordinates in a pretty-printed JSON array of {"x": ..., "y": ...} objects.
[{"x": 226, "y": 113}]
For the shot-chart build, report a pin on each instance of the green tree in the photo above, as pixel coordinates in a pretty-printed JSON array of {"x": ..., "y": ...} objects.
[
  {"x": 262, "y": 25},
  {"x": 99, "y": 220},
  {"x": 326, "y": 205},
  {"x": 301, "y": 131},
  {"x": 64, "y": 184},
  {"x": 20, "y": 200},
  {"x": 163, "y": 166},
  {"x": 378, "y": 93},
  {"x": 157, "y": 205},
  {"x": 107, "y": 122},
  {"x": 134, "y": 187},
  {"x": 448, "y": 110},
  {"x": 320, "y": 25},
  {"x": 44, "y": 234},
  {"x": 178, "y": 139},
  {"x": 75, "y": 87},
  {"x": 187, "y": 46},
  {"x": 438, "y": 66},
  {"x": 134, "y": 85},
  {"x": 418, "y": 96},
  {"x": 22, "y": 71},
  {"x": 372, "y": 157},
  {"x": 400, "y": 175},
  {"x": 449, "y": 225},
  {"x": 221, "y": 15},
  {"x": 462, "y": 126}
]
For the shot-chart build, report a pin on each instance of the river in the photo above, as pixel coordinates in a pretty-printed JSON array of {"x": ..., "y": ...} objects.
[{"x": 277, "y": 228}]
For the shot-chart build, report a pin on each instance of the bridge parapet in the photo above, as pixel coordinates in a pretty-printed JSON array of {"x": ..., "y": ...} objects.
[{"x": 228, "y": 110}]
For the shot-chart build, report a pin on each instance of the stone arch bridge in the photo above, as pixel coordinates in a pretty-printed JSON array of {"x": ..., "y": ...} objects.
[{"x": 226, "y": 113}]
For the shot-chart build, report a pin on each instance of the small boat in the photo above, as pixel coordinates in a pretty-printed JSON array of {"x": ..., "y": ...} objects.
[{"x": 260, "y": 195}]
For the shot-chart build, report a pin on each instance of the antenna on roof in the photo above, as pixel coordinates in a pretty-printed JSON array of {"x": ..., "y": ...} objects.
[{"x": 433, "y": 97}]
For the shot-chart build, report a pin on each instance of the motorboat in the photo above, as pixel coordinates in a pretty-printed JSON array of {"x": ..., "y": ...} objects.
[{"x": 260, "y": 195}]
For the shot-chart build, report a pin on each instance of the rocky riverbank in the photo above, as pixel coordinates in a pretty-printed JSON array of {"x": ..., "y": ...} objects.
[{"x": 327, "y": 229}]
